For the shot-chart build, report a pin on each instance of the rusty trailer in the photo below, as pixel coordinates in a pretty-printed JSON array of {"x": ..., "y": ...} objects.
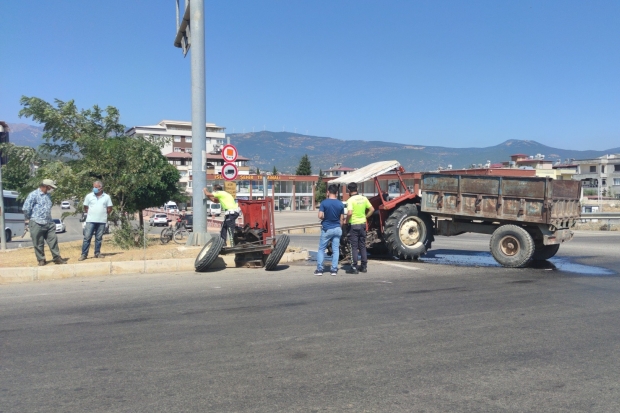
[{"x": 528, "y": 217}]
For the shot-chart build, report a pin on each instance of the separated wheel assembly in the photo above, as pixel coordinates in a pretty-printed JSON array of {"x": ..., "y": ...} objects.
[
  {"x": 208, "y": 253},
  {"x": 278, "y": 251}
]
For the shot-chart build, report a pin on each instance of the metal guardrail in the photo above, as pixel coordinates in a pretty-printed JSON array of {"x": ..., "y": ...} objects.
[
  {"x": 297, "y": 229},
  {"x": 600, "y": 215}
]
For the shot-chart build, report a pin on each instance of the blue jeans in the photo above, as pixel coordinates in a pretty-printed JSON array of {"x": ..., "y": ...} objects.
[
  {"x": 90, "y": 229},
  {"x": 332, "y": 235}
]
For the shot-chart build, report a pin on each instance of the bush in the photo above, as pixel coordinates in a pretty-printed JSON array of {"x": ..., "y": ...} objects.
[{"x": 126, "y": 236}]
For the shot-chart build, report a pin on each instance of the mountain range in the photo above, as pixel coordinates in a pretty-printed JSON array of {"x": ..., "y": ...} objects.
[{"x": 284, "y": 150}]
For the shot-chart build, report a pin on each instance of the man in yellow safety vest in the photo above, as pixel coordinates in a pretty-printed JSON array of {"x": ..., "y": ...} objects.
[{"x": 229, "y": 206}]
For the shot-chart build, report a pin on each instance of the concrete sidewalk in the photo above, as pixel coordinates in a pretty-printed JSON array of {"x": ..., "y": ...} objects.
[{"x": 56, "y": 272}]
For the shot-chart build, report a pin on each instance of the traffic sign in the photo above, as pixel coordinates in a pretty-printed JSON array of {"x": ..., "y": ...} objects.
[
  {"x": 229, "y": 153},
  {"x": 229, "y": 171}
]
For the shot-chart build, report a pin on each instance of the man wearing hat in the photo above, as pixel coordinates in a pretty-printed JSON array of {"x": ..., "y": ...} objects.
[{"x": 38, "y": 212}]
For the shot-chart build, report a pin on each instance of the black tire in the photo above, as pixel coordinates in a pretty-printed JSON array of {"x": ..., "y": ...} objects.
[
  {"x": 7, "y": 235},
  {"x": 408, "y": 233},
  {"x": 512, "y": 246},
  {"x": 278, "y": 251},
  {"x": 208, "y": 253},
  {"x": 544, "y": 252}
]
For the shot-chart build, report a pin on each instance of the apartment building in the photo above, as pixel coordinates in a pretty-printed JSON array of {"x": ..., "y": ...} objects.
[
  {"x": 599, "y": 176},
  {"x": 177, "y": 137}
]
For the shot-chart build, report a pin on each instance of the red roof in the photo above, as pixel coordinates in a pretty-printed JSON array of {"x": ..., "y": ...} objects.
[{"x": 183, "y": 155}]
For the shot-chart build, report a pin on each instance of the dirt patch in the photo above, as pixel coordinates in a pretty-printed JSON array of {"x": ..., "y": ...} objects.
[{"x": 24, "y": 257}]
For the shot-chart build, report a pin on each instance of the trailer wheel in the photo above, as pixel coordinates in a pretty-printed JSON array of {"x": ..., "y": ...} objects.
[
  {"x": 512, "y": 246},
  {"x": 208, "y": 253},
  {"x": 408, "y": 233},
  {"x": 544, "y": 252},
  {"x": 278, "y": 251}
]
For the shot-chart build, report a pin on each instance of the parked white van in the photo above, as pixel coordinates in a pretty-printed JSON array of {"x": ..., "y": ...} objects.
[
  {"x": 214, "y": 209},
  {"x": 171, "y": 207}
]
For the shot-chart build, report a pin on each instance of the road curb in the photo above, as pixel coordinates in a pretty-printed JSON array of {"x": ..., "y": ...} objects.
[{"x": 11, "y": 275}]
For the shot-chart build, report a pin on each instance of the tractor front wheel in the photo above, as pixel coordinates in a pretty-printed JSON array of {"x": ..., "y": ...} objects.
[{"x": 408, "y": 233}]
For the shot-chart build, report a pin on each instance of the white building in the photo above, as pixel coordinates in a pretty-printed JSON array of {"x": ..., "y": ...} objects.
[
  {"x": 179, "y": 135},
  {"x": 600, "y": 175},
  {"x": 177, "y": 148}
]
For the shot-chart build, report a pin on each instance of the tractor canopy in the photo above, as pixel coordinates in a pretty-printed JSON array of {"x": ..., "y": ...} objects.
[{"x": 367, "y": 173}]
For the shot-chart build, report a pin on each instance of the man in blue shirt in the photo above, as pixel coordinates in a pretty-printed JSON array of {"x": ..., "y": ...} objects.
[
  {"x": 331, "y": 214},
  {"x": 38, "y": 213},
  {"x": 97, "y": 206}
]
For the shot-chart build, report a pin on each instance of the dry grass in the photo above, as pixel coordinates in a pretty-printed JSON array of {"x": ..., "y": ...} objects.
[{"x": 24, "y": 257}]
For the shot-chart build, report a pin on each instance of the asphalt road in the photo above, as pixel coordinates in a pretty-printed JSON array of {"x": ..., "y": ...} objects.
[{"x": 405, "y": 337}]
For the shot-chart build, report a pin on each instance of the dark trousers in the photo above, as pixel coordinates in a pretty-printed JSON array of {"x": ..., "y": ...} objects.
[
  {"x": 44, "y": 233},
  {"x": 229, "y": 222},
  {"x": 93, "y": 228},
  {"x": 357, "y": 239}
]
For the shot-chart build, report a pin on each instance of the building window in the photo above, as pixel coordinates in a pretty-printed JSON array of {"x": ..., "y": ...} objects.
[
  {"x": 188, "y": 150},
  {"x": 183, "y": 174},
  {"x": 189, "y": 163},
  {"x": 177, "y": 139},
  {"x": 617, "y": 168},
  {"x": 189, "y": 184},
  {"x": 177, "y": 149},
  {"x": 616, "y": 181},
  {"x": 188, "y": 139},
  {"x": 602, "y": 169},
  {"x": 593, "y": 169}
]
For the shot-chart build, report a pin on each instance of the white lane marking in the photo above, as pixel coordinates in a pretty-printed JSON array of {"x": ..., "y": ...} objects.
[{"x": 391, "y": 264}]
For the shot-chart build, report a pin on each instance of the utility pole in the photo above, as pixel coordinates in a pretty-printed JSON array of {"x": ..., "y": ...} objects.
[
  {"x": 191, "y": 33},
  {"x": 2, "y": 223}
]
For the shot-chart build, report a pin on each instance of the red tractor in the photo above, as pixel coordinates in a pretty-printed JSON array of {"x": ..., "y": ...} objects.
[
  {"x": 398, "y": 227},
  {"x": 254, "y": 243}
]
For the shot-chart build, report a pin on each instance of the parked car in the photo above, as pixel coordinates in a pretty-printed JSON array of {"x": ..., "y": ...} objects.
[
  {"x": 65, "y": 205},
  {"x": 60, "y": 226},
  {"x": 158, "y": 219},
  {"x": 189, "y": 222}
]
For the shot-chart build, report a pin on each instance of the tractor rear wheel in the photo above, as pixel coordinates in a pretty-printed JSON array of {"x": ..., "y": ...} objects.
[
  {"x": 408, "y": 233},
  {"x": 512, "y": 246},
  {"x": 208, "y": 253},
  {"x": 278, "y": 251}
]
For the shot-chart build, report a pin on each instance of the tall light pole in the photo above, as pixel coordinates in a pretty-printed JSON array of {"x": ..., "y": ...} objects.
[{"x": 191, "y": 32}]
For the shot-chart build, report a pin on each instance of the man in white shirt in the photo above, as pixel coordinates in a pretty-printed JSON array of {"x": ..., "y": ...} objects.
[{"x": 97, "y": 206}]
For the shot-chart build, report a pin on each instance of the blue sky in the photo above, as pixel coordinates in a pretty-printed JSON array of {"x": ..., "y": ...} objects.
[{"x": 444, "y": 73}]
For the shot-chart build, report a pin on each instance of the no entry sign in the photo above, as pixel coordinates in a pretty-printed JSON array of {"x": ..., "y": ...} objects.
[
  {"x": 229, "y": 171},
  {"x": 229, "y": 153}
]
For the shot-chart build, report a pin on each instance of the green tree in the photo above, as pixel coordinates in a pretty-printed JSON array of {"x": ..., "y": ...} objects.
[
  {"x": 134, "y": 172},
  {"x": 304, "y": 167},
  {"x": 275, "y": 170},
  {"x": 18, "y": 169},
  {"x": 321, "y": 188}
]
